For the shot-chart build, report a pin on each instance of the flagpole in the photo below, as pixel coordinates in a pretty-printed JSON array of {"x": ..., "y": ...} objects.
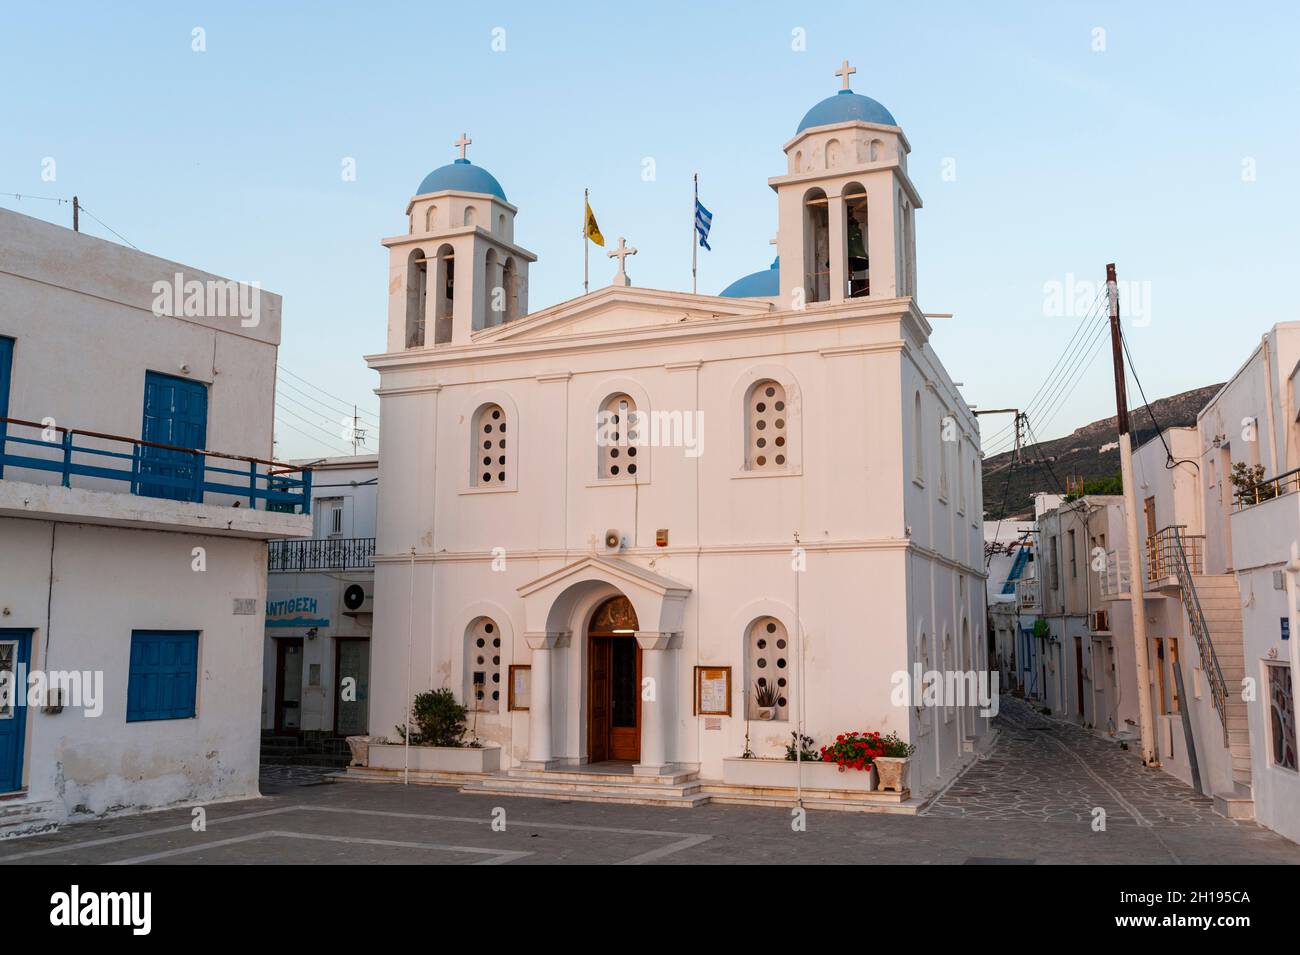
[
  {"x": 694, "y": 207},
  {"x": 585, "y": 203}
]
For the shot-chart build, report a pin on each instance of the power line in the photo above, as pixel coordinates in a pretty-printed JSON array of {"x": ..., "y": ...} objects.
[
  {"x": 306, "y": 421},
  {"x": 346, "y": 421},
  {"x": 1170, "y": 461},
  {"x": 344, "y": 401},
  {"x": 1092, "y": 311},
  {"x": 290, "y": 425},
  {"x": 82, "y": 207},
  {"x": 333, "y": 409}
]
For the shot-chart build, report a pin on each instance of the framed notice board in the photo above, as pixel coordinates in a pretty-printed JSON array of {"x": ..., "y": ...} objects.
[{"x": 713, "y": 691}]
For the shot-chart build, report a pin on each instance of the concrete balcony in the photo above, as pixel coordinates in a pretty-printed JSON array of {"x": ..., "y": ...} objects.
[
  {"x": 1027, "y": 597},
  {"x": 1114, "y": 578},
  {"x": 61, "y": 474}
]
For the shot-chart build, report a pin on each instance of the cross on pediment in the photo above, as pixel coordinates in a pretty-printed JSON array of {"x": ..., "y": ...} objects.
[
  {"x": 845, "y": 71},
  {"x": 462, "y": 143},
  {"x": 621, "y": 253}
]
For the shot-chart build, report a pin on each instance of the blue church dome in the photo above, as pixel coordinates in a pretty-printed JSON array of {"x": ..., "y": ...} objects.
[
  {"x": 846, "y": 106},
  {"x": 764, "y": 284},
  {"x": 462, "y": 176}
]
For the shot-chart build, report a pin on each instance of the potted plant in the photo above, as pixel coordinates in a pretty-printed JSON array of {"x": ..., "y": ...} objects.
[
  {"x": 437, "y": 741},
  {"x": 854, "y": 751},
  {"x": 765, "y": 700},
  {"x": 891, "y": 764},
  {"x": 802, "y": 749}
]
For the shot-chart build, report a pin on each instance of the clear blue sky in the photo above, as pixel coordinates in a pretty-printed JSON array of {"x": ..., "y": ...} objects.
[{"x": 1065, "y": 158}]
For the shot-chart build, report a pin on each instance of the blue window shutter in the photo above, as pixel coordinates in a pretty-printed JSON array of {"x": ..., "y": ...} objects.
[{"x": 164, "y": 675}]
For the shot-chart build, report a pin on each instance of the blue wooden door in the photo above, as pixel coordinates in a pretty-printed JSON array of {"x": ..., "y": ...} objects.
[
  {"x": 6, "y": 371},
  {"x": 176, "y": 413},
  {"x": 15, "y": 648}
]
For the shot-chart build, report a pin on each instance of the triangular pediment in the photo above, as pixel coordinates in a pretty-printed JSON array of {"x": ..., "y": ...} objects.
[
  {"x": 613, "y": 570},
  {"x": 619, "y": 308}
]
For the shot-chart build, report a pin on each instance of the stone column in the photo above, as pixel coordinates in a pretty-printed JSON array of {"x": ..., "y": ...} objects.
[
  {"x": 658, "y": 665},
  {"x": 540, "y": 749},
  {"x": 839, "y": 246}
]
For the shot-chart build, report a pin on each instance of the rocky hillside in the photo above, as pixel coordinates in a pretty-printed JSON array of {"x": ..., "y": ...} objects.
[{"x": 1090, "y": 452}]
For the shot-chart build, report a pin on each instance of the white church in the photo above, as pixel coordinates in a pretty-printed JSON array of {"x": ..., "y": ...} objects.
[{"x": 608, "y": 525}]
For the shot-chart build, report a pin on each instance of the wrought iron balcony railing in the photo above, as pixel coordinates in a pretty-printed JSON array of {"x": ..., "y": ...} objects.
[
  {"x": 1162, "y": 552},
  {"x": 150, "y": 469},
  {"x": 328, "y": 553}
]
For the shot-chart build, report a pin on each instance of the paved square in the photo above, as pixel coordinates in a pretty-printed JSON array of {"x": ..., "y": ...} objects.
[{"x": 1030, "y": 800}]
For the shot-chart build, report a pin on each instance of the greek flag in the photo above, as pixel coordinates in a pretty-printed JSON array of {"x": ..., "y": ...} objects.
[{"x": 703, "y": 220}]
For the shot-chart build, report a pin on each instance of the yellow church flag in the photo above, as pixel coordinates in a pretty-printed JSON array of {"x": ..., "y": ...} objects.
[{"x": 591, "y": 228}]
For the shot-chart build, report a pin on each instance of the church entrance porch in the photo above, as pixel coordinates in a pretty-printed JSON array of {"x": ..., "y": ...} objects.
[{"x": 613, "y": 684}]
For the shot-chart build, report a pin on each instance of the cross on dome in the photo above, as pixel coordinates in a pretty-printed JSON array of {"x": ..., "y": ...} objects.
[
  {"x": 845, "y": 71},
  {"x": 463, "y": 142}
]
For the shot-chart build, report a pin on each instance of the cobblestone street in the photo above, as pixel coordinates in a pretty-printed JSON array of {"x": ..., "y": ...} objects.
[
  {"x": 1028, "y": 800},
  {"x": 1047, "y": 770}
]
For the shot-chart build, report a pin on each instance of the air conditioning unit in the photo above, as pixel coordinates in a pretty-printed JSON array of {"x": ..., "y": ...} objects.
[
  {"x": 357, "y": 601},
  {"x": 613, "y": 541}
]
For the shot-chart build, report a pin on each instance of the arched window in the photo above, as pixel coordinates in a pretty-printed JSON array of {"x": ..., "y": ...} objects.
[
  {"x": 947, "y": 668},
  {"x": 798, "y": 161},
  {"x": 918, "y": 440},
  {"x": 501, "y": 225},
  {"x": 766, "y": 420},
  {"x": 492, "y": 461},
  {"x": 417, "y": 282},
  {"x": 961, "y": 479},
  {"x": 768, "y": 665},
  {"x": 617, "y": 438},
  {"x": 510, "y": 281},
  {"x": 430, "y": 218},
  {"x": 471, "y": 216},
  {"x": 856, "y": 262},
  {"x": 444, "y": 283},
  {"x": 817, "y": 247},
  {"x": 483, "y": 665},
  {"x": 943, "y": 459},
  {"x": 834, "y": 154}
]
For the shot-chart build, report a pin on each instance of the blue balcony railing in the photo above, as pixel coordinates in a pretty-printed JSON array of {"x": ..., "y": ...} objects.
[{"x": 151, "y": 469}]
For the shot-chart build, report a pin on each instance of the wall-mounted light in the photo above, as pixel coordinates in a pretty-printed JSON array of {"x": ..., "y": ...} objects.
[{"x": 311, "y": 634}]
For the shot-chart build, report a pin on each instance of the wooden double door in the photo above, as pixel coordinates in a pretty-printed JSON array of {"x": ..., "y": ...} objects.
[{"x": 613, "y": 683}]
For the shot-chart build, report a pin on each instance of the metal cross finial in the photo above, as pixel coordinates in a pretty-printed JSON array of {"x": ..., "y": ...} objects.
[
  {"x": 845, "y": 71},
  {"x": 621, "y": 253},
  {"x": 465, "y": 141}
]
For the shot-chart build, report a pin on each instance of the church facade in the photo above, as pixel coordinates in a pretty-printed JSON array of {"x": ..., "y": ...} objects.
[{"x": 607, "y": 525}]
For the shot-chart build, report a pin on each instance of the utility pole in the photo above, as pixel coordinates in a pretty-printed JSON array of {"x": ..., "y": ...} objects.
[
  {"x": 1018, "y": 424},
  {"x": 76, "y": 214},
  {"x": 1136, "y": 587}
]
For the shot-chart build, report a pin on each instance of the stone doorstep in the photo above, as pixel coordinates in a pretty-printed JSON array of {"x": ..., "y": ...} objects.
[
  {"x": 578, "y": 775},
  {"x": 1233, "y": 806}
]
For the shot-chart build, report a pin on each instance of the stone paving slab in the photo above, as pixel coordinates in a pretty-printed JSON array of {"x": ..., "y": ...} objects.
[{"x": 1029, "y": 800}]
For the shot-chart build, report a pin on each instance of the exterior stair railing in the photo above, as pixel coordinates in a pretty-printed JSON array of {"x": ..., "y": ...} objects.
[{"x": 1201, "y": 631}]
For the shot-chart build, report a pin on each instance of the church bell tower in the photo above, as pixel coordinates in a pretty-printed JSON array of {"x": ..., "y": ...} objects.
[
  {"x": 846, "y": 207},
  {"x": 457, "y": 270}
]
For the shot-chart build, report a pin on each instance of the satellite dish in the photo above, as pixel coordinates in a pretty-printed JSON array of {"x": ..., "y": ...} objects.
[{"x": 354, "y": 596}]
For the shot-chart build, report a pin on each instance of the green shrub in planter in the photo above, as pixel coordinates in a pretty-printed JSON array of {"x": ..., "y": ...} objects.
[{"x": 438, "y": 720}]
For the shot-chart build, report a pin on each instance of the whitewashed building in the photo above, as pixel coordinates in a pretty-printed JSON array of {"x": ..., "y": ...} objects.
[
  {"x": 319, "y": 605},
  {"x": 801, "y": 506},
  {"x": 132, "y": 568},
  {"x": 1251, "y": 531}
]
